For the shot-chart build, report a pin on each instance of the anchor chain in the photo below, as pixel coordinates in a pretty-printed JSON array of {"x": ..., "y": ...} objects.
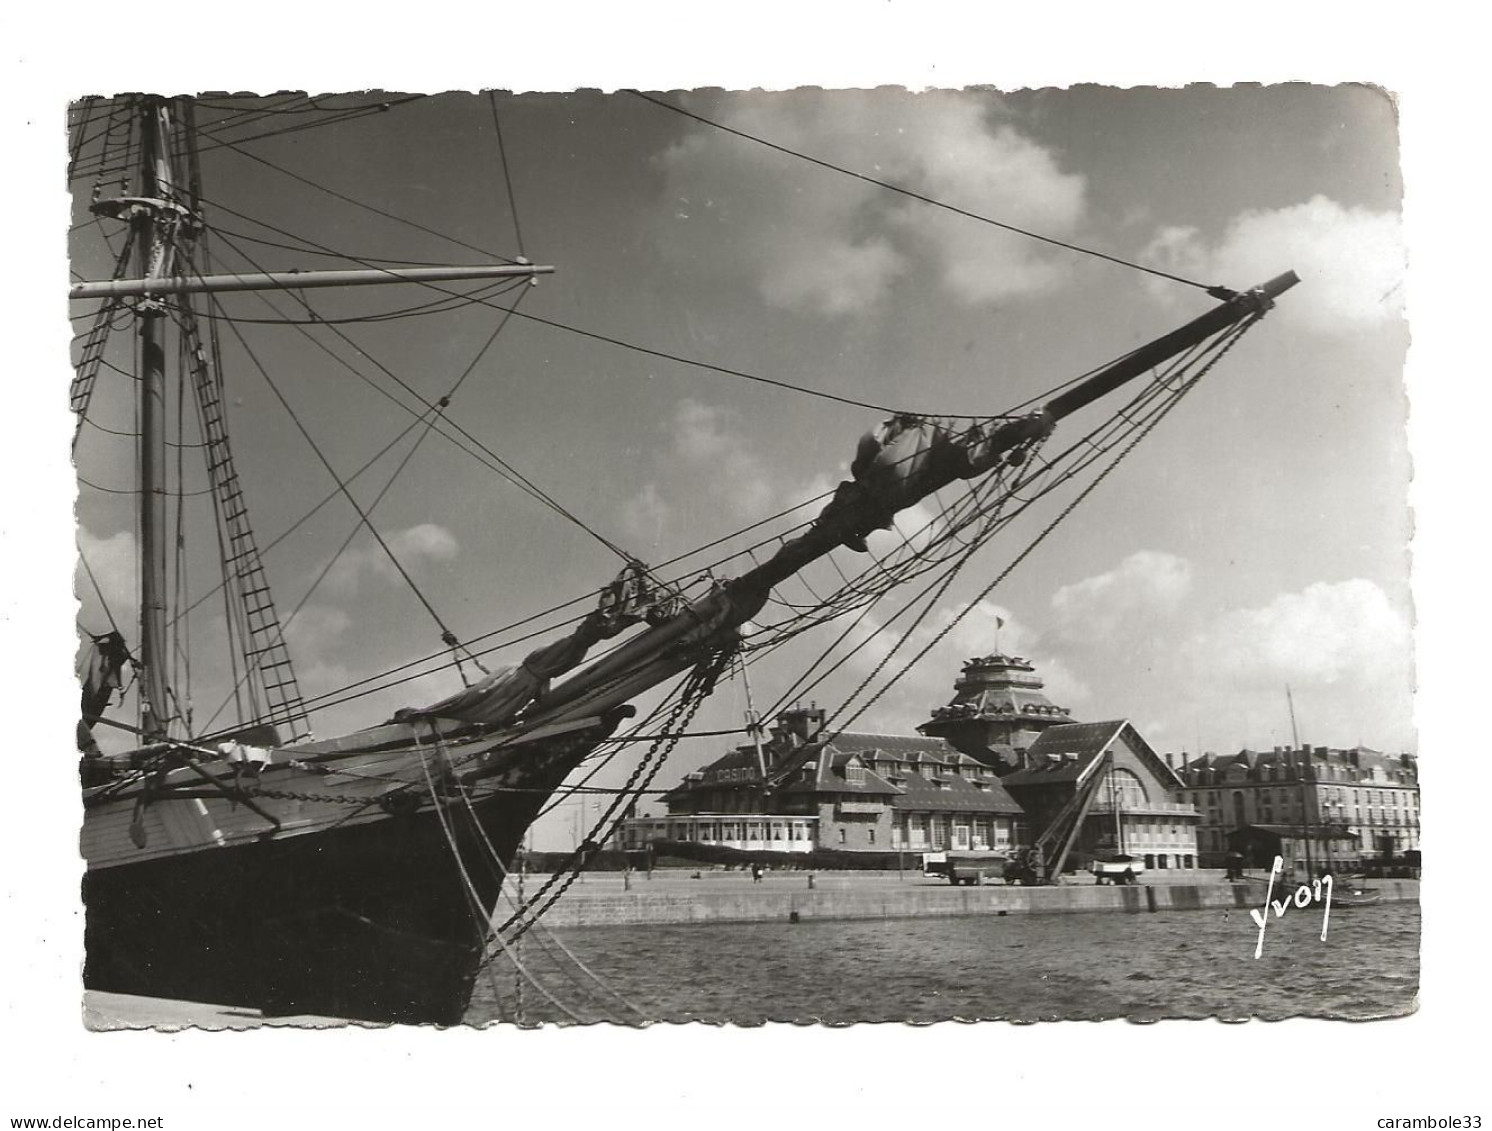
[{"x": 701, "y": 684}]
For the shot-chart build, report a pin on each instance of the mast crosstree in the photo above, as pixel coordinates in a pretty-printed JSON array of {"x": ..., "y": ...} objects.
[{"x": 163, "y": 226}]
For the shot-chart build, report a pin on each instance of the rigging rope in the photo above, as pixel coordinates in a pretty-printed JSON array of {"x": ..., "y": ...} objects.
[
  {"x": 501, "y": 872},
  {"x": 336, "y": 478},
  {"x": 333, "y": 118},
  {"x": 507, "y": 471},
  {"x": 474, "y": 900},
  {"x": 920, "y": 196},
  {"x": 661, "y": 355},
  {"x": 1226, "y": 343},
  {"x": 696, "y": 690},
  {"x": 502, "y": 157}
]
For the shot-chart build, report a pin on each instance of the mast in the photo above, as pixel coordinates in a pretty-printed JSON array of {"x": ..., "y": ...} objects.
[
  {"x": 1305, "y": 817},
  {"x": 754, "y": 728},
  {"x": 161, "y": 216},
  {"x": 154, "y": 244}
]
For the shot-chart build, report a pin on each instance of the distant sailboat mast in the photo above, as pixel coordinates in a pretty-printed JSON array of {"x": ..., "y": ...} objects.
[{"x": 1305, "y": 817}]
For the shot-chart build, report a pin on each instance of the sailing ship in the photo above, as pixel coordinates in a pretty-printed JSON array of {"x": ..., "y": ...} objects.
[{"x": 361, "y": 876}]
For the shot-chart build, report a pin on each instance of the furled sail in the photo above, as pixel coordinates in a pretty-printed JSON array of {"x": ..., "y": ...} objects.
[
  {"x": 906, "y": 459},
  {"x": 497, "y": 698},
  {"x": 103, "y": 667}
]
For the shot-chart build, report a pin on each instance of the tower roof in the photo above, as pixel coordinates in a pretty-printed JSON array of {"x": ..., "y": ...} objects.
[{"x": 998, "y": 688}]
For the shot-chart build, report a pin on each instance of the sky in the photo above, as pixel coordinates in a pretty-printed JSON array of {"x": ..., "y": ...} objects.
[
  {"x": 1256, "y": 541},
  {"x": 1426, "y": 59}
]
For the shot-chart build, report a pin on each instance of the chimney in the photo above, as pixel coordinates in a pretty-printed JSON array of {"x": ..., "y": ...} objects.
[
  {"x": 801, "y": 724},
  {"x": 1170, "y": 761}
]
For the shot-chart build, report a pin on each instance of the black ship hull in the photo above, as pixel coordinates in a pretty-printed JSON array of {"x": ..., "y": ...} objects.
[{"x": 377, "y": 920}]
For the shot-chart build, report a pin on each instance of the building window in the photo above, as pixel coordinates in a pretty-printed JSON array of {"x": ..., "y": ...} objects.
[
  {"x": 841, "y": 836},
  {"x": 870, "y": 836}
]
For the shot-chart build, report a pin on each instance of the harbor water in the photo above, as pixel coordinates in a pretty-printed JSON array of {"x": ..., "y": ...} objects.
[{"x": 1146, "y": 967}]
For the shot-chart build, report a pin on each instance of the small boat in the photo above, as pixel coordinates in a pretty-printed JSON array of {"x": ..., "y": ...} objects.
[{"x": 1352, "y": 893}]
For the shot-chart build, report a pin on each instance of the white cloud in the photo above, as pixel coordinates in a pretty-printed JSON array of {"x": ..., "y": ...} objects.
[
  {"x": 315, "y": 629},
  {"x": 1341, "y": 647},
  {"x": 425, "y": 541},
  {"x": 645, "y": 515},
  {"x": 1330, "y": 633},
  {"x": 818, "y": 240},
  {"x": 1146, "y": 584},
  {"x": 313, "y": 636},
  {"x": 708, "y": 435},
  {"x": 112, "y": 562},
  {"x": 414, "y": 547},
  {"x": 1350, "y": 261},
  {"x": 1063, "y": 687},
  {"x": 701, "y": 431},
  {"x": 929, "y": 683}
]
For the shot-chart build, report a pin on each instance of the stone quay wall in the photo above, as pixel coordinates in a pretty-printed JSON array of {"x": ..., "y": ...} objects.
[{"x": 800, "y": 903}]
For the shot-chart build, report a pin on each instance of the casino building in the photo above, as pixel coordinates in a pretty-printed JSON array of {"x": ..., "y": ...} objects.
[
  {"x": 855, "y": 792},
  {"x": 988, "y": 771}
]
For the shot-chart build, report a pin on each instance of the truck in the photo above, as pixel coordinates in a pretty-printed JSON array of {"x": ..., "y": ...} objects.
[
  {"x": 969, "y": 869},
  {"x": 1116, "y": 868}
]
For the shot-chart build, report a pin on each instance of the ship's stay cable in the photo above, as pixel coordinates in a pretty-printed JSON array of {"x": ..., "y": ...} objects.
[
  {"x": 332, "y": 119},
  {"x": 447, "y": 636},
  {"x": 80, "y": 132},
  {"x": 1085, "y": 451},
  {"x": 345, "y": 198},
  {"x": 607, "y": 751},
  {"x": 553, "y": 324},
  {"x": 725, "y": 370},
  {"x": 231, "y": 122},
  {"x": 803, "y": 686},
  {"x": 98, "y": 591},
  {"x": 302, "y": 248},
  {"x": 474, "y": 900},
  {"x": 695, "y": 690},
  {"x": 1082, "y": 453},
  {"x": 236, "y": 118},
  {"x": 872, "y": 406},
  {"x": 438, "y": 413},
  {"x": 475, "y": 297},
  {"x": 887, "y": 185},
  {"x": 336, "y": 478},
  {"x": 544, "y": 936},
  {"x": 482, "y": 920},
  {"x": 351, "y": 691},
  {"x": 509, "y": 472},
  {"x": 502, "y": 156},
  {"x": 1222, "y": 346}
]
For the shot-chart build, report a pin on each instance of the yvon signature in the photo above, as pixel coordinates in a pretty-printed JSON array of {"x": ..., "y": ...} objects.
[{"x": 1304, "y": 896}]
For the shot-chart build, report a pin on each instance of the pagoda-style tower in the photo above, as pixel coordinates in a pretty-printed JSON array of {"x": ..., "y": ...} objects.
[{"x": 997, "y": 712}]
